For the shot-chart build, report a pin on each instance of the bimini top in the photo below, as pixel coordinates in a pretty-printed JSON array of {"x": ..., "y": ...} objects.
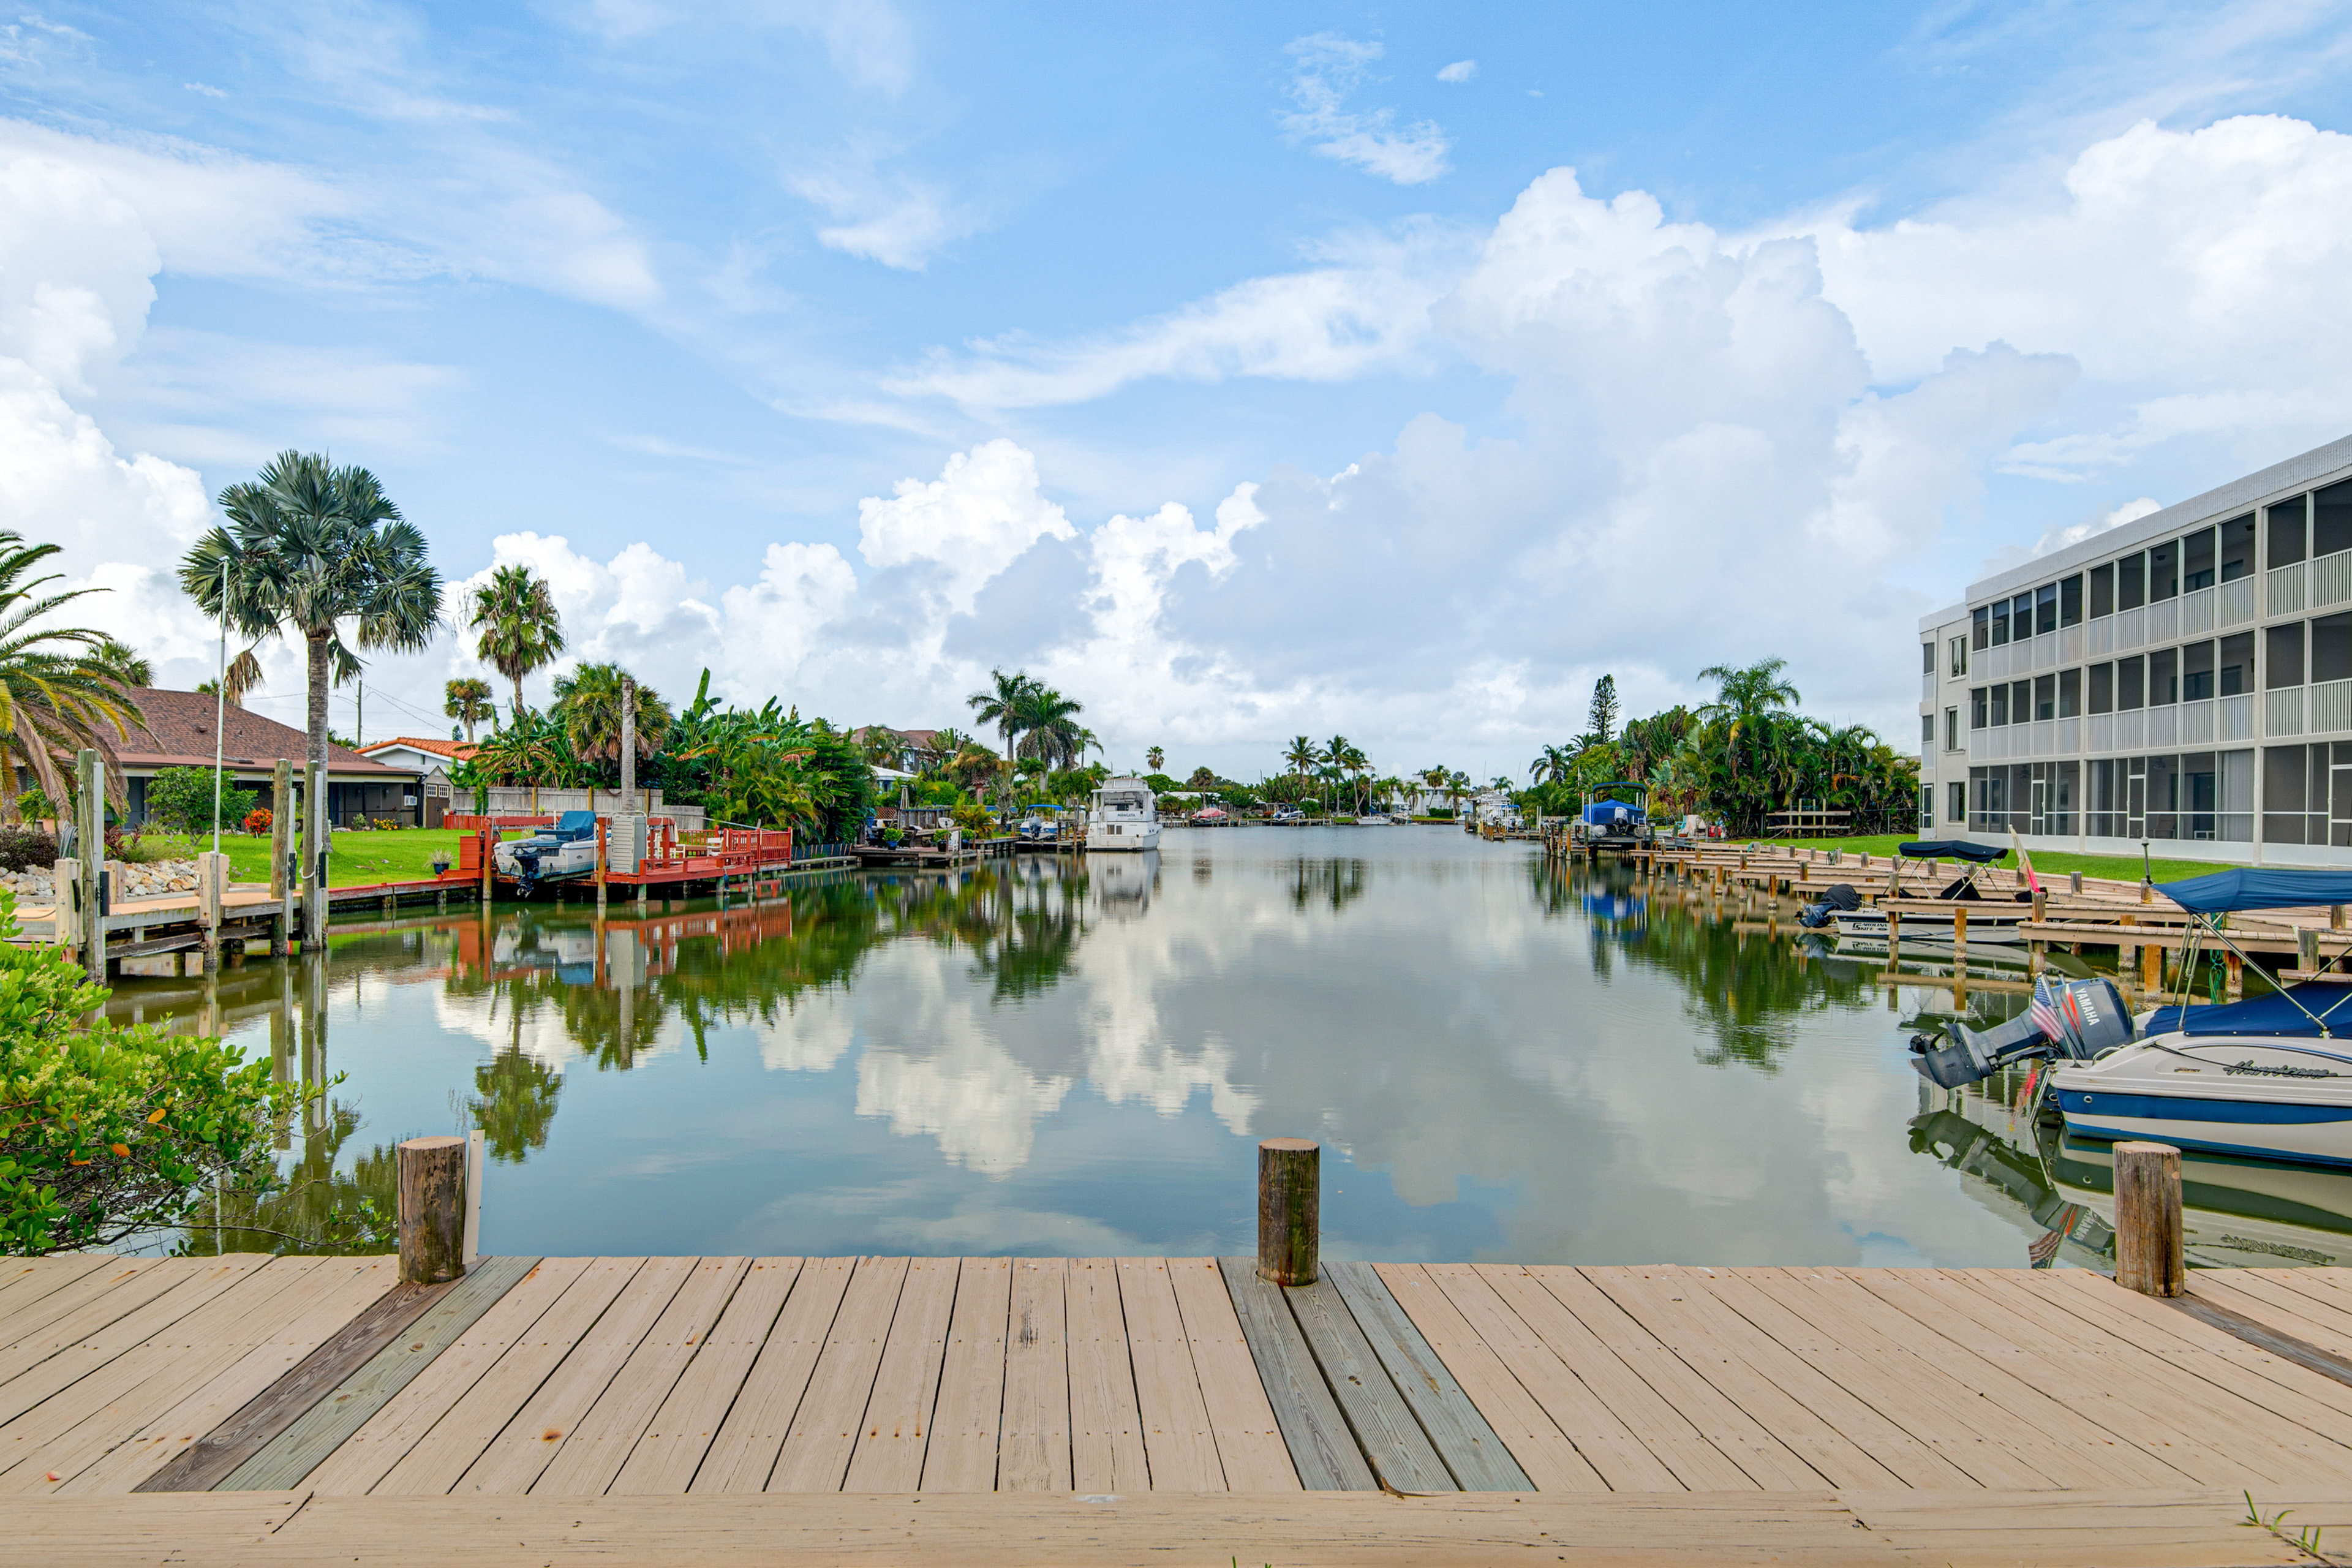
[
  {"x": 2221, "y": 892},
  {"x": 1958, "y": 849},
  {"x": 1607, "y": 810},
  {"x": 2291, "y": 1012}
]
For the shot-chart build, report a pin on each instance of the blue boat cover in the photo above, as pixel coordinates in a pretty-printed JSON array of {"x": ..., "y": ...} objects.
[
  {"x": 1958, "y": 849},
  {"x": 2221, "y": 892},
  {"x": 2271, "y": 1014},
  {"x": 1600, "y": 813},
  {"x": 576, "y": 825}
]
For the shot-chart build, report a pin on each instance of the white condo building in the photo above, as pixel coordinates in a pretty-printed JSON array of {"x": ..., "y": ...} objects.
[{"x": 2184, "y": 680}]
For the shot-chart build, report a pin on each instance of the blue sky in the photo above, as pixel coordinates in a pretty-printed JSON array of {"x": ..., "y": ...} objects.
[{"x": 1244, "y": 370}]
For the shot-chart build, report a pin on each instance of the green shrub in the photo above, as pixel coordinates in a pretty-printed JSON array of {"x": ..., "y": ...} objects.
[
  {"x": 26, "y": 849},
  {"x": 972, "y": 816},
  {"x": 106, "y": 1132},
  {"x": 181, "y": 800}
]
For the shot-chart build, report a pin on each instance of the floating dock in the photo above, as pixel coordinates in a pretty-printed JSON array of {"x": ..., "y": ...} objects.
[{"x": 1160, "y": 1410}]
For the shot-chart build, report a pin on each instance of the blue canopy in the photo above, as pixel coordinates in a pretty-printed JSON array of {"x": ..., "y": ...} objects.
[
  {"x": 2271, "y": 1014},
  {"x": 2221, "y": 892},
  {"x": 1958, "y": 849},
  {"x": 1607, "y": 810}
]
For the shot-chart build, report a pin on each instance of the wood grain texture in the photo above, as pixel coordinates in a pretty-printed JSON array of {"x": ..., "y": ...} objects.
[
  {"x": 743, "y": 1454},
  {"x": 1034, "y": 1446},
  {"x": 968, "y": 1416},
  {"x": 1473, "y": 1454},
  {"x": 681, "y": 1432},
  {"x": 897, "y": 1427},
  {"x": 1400, "y": 1452},
  {"x": 1106, "y": 1429},
  {"x": 1250, "y": 1448},
  {"x": 1323, "y": 1451},
  {"x": 1178, "y": 1446},
  {"x": 824, "y": 1432}
]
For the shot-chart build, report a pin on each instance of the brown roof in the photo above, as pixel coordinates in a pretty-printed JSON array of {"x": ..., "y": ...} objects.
[
  {"x": 920, "y": 740},
  {"x": 179, "y": 733},
  {"x": 455, "y": 750}
]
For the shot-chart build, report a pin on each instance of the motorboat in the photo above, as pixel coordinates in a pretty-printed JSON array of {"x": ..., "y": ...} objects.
[
  {"x": 1377, "y": 819},
  {"x": 1994, "y": 919},
  {"x": 553, "y": 854},
  {"x": 2269, "y": 1077},
  {"x": 1211, "y": 817},
  {"x": 1607, "y": 823},
  {"x": 1123, "y": 816}
]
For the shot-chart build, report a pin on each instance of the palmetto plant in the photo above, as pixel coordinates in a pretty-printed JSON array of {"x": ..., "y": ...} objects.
[
  {"x": 467, "y": 700},
  {"x": 520, "y": 631},
  {"x": 588, "y": 705},
  {"x": 59, "y": 691},
  {"x": 307, "y": 546}
]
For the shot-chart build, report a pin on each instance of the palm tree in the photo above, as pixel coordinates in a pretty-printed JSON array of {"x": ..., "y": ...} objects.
[
  {"x": 1050, "y": 728},
  {"x": 1554, "y": 764},
  {"x": 1303, "y": 754},
  {"x": 1001, "y": 705},
  {"x": 521, "y": 631},
  {"x": 309, "y": 546},
  {"x": 59, "y": 690},
  {"x": 588, "y": 705},
  {"x": 1744, "y": 701},
  {"x": 124, "y": 664},
  {"x": 1155, "y": 759},
  {"x": 467, "y": 700}
]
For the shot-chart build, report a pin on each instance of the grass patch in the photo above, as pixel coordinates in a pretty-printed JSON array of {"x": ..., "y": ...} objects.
[
  {"x": 401, "y": 855},
  {"x": 2123, "y": 868}
]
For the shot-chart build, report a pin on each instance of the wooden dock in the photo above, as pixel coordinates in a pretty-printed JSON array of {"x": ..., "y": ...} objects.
[{"x": 1149, "y": 1409}]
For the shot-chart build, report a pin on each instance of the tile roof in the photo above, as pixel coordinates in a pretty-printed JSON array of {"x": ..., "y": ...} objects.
[
  {"x": 455, "y": 750},
  {"x": 179, "y": 733}
]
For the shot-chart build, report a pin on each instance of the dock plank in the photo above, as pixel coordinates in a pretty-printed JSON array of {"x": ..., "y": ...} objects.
[
  {"x": 1249, "y": 1449},
  {"x": 1400, "y": 1452},
  {"x": 472, "y": 1423},
  {"x": 1323, "y": 1450},
  {"x": 1178, "y": 1445},
  {"x": 970, "y": 1414},
  {"x": 1106, "y": 1429},
  {"x": 824, "y": 1431},
  {"x": 94, "y": 1333},
  {"x": 340, "y": 1431},
  {"x": 1535, "y": 1441},
  {"x": 598, "y": 1444},
  {"x": 743, "y": 1454},
  {"x": 895, "y": 1430},
  {"x": 1838, "y": 1435},
  {"x": 29, "y": 1281},
  {"x": 675, "y": 1441},
  {"x": 1473, "y": 1454},
  {"x": 1033, "y": 1448}
]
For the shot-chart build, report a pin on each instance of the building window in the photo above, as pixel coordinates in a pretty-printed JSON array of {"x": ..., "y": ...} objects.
[
  {"x": 2021, "y": 616},
  {"x": 2001, "y": 704},
  {"x": 2069, "y": 693},
  {"x": 2163, "y": 677},
  {"x": 1979, "y": 627},
  {"x": 1926, "y": 807},
  {"x": 2331, "y": 648},
  {"x": 2282, "y": 657},
  {"x": 1926, "y": 659},
  {"x": 2020, "y": 701},
  {"x": 2196, "y": 671},
  {"x": 2045, "y": 608},
  {"x": 1951, "y": 729},
  {"x": 2197, "y": 561},
  {"x": 1959, "y": 657},
  {"x": 1958, "y": 804},
  {"x": 2000, "y": 624},
  {"x": 2237, "y": 673},
  {"x": 2131, "y": 675},
  {"x": 2103, "y": 590},
  {"x": 2045, "y": 697},
  {"x": 2289, "y": 523},
  {"x": 2131, "y": 580},
  {"x": 2103, "y": 689},
  {"x": 2163, "y": 573},
  {"x": 2070, "y": 600},
  {"x": 2237, "y": 548},
  {"x": 2331, "y": 520},
  {"x": 1926, "y": 734},
  {"x": 1976, "y": 712}
]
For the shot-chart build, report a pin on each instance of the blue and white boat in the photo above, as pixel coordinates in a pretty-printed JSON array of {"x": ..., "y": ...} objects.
[{"x": 2270, "y": 1076}]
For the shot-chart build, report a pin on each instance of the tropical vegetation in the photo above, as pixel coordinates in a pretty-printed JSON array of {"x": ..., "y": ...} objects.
[
  {"x": 467, "y": 700},
  {"x": 62, "y": 689},
  {"x": 519, "y": 629},
  {"x": 308, "y": 546}
]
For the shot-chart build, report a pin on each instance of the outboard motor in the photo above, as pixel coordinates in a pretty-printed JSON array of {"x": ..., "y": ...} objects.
[
  {"x": 1836, "y": 900},
  {"x": 2077, "y": 1019}
]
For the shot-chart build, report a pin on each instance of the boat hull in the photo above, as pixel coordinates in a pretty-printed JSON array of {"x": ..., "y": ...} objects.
[
  {"x": 1122, "y": 837},
  {"x": 2267, "y": 1099},
  {"x": 1987, "y": 928}
]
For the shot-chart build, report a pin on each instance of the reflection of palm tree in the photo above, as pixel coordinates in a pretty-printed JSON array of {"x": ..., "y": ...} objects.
[{"x": 516, "y": 1103}]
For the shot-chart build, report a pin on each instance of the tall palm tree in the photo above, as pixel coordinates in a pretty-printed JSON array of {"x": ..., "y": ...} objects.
[
  {"x": 126, "y": 665},
  {"x": 1553, "y": 765},
  {"x": 1050, "y": 728},
  {"x": 1155, "y": 759},
  {"x": 59, "y": 690},
  {"x": 588, "y": 705},
  {"x": 467, "y": 700},
  {"x": 1302, "y": 755},
  {"x": 521, "y": 630},
  {"x": 1000, "y": 704},
  {"x": 309, "y": 546}
]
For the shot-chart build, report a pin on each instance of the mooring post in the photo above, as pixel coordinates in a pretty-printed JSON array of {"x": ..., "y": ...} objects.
[
  {"x": 600, "y": 864},
  {"x": 1289, "y": 1209},
  {"x": 315, "y": 871},
  {"x": 2306, "y": 943},
  {"x": 474, "y": 1150},
  {"x": 432, "y": 1210},
  {"x": 1960, "y": 928},
  {"x": 2234, "y": 964},
  {"x": 2074, "y": 882},
  {"x": 90, "y": 849},
  {"x": 2151, "y": 968},
  {"x": 212, "y": 887},
  {"x": 2147, "y": 1220},
  {"x": 281, "y": 844}
]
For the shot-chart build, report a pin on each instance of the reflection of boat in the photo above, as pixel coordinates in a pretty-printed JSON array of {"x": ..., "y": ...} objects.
[
  {"x": 553, "y": 854},
  {"x": 1125, "y": 817},
  {"x": 2249, "y": 1212},
  {"x": 2270, "y": 1076},
  {"x": 1123, "y": 885}
]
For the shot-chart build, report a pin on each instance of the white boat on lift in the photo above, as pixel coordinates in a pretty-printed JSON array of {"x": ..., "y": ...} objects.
[
  {"x": 1123, "y": 816},
  {"x": 2270, "y": 1076}
]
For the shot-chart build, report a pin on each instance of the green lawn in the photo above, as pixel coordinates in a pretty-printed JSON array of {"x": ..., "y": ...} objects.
[
  {"x": 2123, "y": 868},
  {"x": 404, "y": 855}
]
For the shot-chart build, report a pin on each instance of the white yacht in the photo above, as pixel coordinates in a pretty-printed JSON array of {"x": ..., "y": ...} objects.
[{"x": 1123, "y": 815}]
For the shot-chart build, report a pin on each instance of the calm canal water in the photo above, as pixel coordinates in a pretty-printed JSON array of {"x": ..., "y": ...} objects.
[{"x": 1503, "y": 1060}]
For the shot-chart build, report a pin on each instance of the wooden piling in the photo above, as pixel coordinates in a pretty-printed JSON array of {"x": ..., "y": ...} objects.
[
  {"x": 281, "y": 844},
  {"x": 2234, "y": 964},
  {"x": 1289, "y": 1209},
  {"x": 315, "y": 871},
  {"x": 2074, "y": 882},
  {"x": 2306, "y": 943},
  {"x": 600, "y": 866},
  {"x": 2147, "y": 1219},
  {"x": 432, "y": 1210},
  {"x": 212, "y": 886},
  {"x": 1960, "y": 928},
  {"x": 2151, "y": 968},
  {"x": 89, "y": 849}
]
